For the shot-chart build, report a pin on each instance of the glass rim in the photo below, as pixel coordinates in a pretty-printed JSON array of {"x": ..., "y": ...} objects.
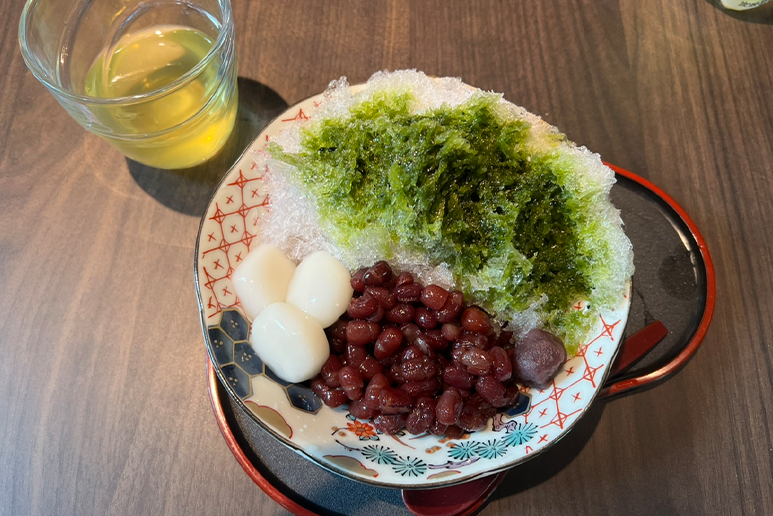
[{"x": 41, "y": 75}]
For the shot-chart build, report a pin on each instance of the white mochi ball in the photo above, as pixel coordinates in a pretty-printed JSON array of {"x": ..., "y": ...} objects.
[
  {"x": 321, "y": 287},
  {"x": 290, "y": 342},
  {"x": 262, "y": 279}
]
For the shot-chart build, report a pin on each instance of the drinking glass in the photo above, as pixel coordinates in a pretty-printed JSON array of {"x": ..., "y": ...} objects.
[
  {"x": 155, "y": 78},
  {"x": 742, "y": 5}
]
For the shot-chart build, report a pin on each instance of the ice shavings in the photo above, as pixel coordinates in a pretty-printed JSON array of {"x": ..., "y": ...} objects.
[{"x": 293, "y": 223}]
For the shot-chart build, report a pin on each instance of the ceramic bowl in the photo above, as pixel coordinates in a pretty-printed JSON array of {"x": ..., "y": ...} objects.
[{"x": 333, "y": 438}]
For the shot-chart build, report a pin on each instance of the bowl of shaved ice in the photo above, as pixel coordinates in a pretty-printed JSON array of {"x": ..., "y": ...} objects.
[{"x": 459, "y": 193}]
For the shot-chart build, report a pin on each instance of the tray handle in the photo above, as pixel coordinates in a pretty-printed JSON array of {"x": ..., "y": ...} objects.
[{"x": 618, "y": 387}]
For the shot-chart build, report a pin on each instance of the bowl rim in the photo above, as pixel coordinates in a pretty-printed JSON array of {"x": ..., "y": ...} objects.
[{"x": 298, "y": 449}]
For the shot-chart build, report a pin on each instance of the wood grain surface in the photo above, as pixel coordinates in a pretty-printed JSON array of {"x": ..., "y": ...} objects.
[{"x": 103, "y": 400}]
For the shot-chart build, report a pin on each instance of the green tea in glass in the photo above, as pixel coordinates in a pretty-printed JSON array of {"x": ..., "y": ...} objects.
[{"x": 157, "y": 80}]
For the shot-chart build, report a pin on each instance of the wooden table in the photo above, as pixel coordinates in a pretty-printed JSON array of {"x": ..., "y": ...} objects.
[{"x": 103, "y": 399}]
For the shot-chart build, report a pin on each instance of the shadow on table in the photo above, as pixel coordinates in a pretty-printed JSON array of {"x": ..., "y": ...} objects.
[
  {"x": 188, "y": 190},
  {"x": 762, "y": 14},
  {"x": 554, "y": 459}
]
